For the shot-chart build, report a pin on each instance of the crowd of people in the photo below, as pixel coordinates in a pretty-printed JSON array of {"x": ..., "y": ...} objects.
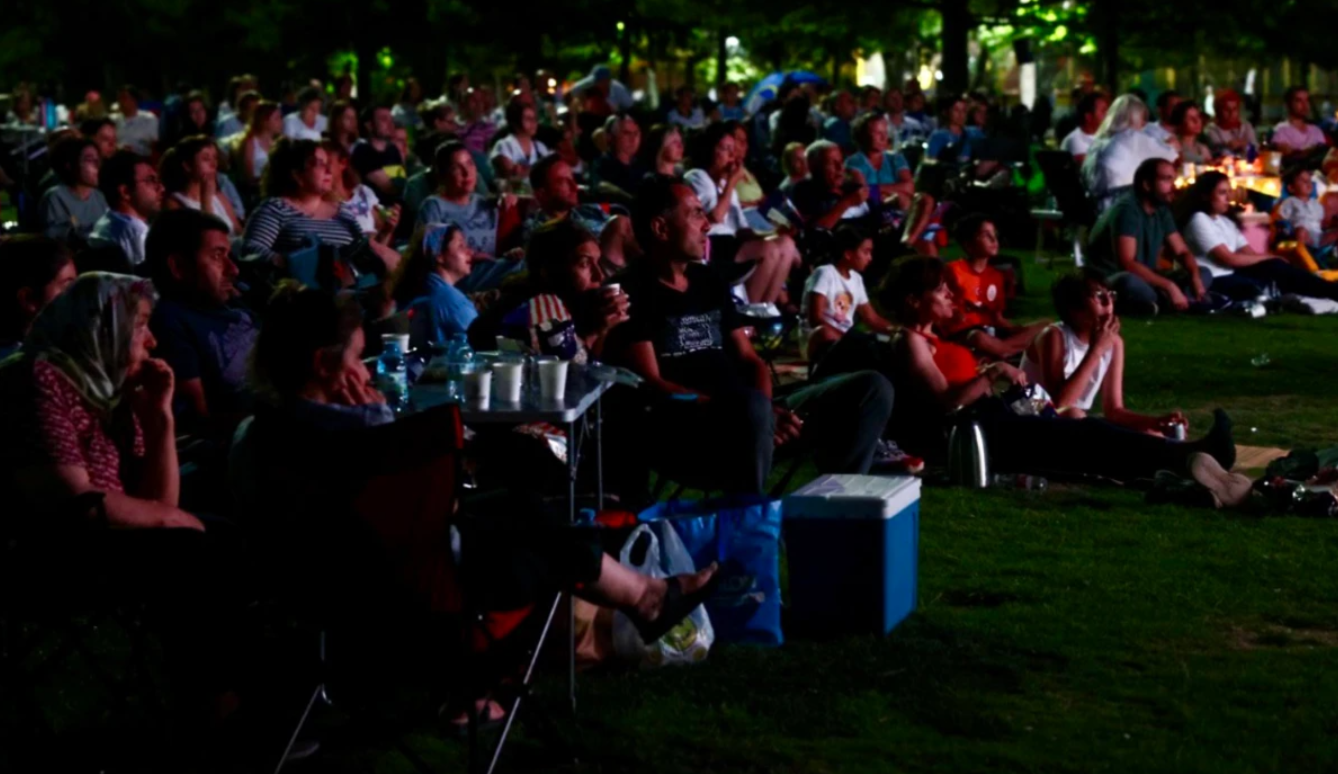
[{"x": 155, "y": 292}]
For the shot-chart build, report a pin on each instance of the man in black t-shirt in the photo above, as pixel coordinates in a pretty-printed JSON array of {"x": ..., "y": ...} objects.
[
  {"x": 376, "y": 159},
  {"x": 712, "y": 420}
]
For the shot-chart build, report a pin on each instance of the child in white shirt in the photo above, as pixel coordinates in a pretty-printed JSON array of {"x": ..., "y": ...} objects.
[
  {"x": 1305, "y": 214},
  {"x": 835, "y": 298}
]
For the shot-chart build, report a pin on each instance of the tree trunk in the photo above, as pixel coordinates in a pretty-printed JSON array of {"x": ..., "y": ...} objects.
[
  {"x": 721, "y": 61},
  {"x": 956, "y": 32},
  {"x": 1108, "y": 43}
]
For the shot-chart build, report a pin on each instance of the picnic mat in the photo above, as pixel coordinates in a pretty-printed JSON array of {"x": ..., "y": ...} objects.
[{"x": 1257, "y": 457}]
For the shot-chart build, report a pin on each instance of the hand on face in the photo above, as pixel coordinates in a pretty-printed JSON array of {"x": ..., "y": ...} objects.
[
  {"x": 354, "y": 389},
  {"x": 151, "y": 389}
]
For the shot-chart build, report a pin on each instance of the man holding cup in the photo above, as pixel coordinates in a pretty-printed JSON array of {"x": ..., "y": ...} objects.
[{"x": 710, "y": 414}]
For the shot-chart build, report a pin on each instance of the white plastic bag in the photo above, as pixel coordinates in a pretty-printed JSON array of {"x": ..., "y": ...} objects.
[{"x": 686, "y": 643}]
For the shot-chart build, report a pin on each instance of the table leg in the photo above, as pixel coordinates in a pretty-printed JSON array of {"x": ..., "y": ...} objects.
[
  {"x": 571, "y": 513},
  {"x": 599, "y": 453}
]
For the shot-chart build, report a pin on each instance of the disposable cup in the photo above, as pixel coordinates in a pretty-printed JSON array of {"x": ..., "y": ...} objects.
[
  {"x": 507, "y": 381},
  {"x": 552, "y": 379},
  {"x": 478, "y": 384}
]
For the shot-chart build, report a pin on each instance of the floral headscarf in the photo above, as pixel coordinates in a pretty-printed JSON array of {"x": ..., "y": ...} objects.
[{"x": 87, "y": 330}]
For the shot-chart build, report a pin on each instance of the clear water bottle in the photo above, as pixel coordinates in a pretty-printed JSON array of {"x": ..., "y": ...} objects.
[
  {"x": 1020, "y": 481},
  {"x": 459, "y": 361},
  {"x": 393, "y": 375}
]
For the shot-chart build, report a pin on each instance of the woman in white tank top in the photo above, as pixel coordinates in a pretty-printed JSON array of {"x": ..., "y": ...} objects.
[{"x": 1082, "y": 356}]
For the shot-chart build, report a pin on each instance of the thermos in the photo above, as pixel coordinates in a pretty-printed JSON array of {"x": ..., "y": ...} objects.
[{"x": 968, "y": 458}]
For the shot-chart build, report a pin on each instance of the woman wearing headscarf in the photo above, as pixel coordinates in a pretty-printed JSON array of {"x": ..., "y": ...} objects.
[
  {"x": 88, "y": 416},
  {"x": 91, "y": 410}
]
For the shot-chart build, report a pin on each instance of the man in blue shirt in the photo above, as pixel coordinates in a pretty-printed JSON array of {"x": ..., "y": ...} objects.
[
  {"x": 134, "y": 195},
  {"x": 204, "y": 338}
]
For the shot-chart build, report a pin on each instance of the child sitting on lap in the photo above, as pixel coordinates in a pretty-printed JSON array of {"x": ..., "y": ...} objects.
[
  {"x": 978, "y": 292},
  {"x": 834, "y": 296},
  {"x": 1305, "y": 213}
]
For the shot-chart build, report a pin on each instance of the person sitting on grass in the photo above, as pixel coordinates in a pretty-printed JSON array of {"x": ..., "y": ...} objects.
[
  {"x": 37, "y": 269},
  {"x": 1188, "y": 122},
  {"x": 936, "y": 377},
  {"x": 978, "y": 292},
  {"x": 438, "y": 259},
  {"x": 1091, "y": 111},
  {"x": 710, "y": 404},
  {"x": 1127, "y": 241},
  {"x": 488, "y": 224},
  {"x": 1217, "y": 242},
  {"x": 558, "y": 308},
  {"x": 317, "y": 394},
  {"x": 1229, "y": 134},
  {"x": 1083, "y": 355},
  {"x": 1304, "y": 212},
  {"x": 834, "y": 295},
  {"x": 516, "y": 154}
]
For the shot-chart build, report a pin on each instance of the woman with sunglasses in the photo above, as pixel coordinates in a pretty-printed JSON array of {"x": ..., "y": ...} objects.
[{"x": 1083, "y": 355}]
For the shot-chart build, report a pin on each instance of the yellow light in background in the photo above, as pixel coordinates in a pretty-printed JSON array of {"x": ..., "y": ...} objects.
[
  {"x": 925, "y": 77},
  {"x": 621, "y": 26}
]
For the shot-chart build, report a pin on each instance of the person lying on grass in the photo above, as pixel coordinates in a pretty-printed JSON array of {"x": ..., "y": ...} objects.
[
  {"x": 1083, "y": 354},
  {"x": 978, "y": 291},
  {"x": 938, "y": 382},
  {"x": 835, "y": 298}
]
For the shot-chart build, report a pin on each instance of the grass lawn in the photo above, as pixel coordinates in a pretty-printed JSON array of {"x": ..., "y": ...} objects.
[{"x": 1073, "y": 630}]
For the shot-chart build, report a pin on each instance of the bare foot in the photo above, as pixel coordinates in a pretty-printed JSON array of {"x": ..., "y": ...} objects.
[{"x": 489, "y": 712}]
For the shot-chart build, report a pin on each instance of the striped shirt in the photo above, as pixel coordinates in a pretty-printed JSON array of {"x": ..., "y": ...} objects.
[{"x": 277, "y": 228}]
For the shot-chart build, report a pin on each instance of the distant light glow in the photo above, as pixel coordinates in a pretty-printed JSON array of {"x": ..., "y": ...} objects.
[
  {"x": 731, "y": 42},
  {"x": 552, "y": 83},
  {"x": 621, "y": 26}
]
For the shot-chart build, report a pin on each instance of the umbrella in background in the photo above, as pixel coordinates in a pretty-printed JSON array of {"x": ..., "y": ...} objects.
[{"x": 766, "y": 89}]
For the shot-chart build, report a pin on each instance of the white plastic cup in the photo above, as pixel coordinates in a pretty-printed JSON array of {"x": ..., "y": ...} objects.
[
  {"x": 400, "y": 338},
  {"x": 478, "y": 384},
  {"x": 614, "y": 288},
  {"x": 552, "y": 379},
  {"x": 507, "y": 380}
]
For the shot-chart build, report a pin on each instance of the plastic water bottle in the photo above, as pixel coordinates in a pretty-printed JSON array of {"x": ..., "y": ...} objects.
[
  {"x": 393, "y": 375},
  {"x": 459, "y": 361}
]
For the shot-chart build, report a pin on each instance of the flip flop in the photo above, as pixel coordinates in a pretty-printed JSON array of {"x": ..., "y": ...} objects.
[{"x": 675, "y": 608}]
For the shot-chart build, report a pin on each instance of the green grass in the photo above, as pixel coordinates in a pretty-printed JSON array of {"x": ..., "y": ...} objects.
[{"x": 1077, "y": 630}]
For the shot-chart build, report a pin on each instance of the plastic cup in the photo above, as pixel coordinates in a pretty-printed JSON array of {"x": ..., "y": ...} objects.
[
  {"x": 400, "y": 338},
  {"x": 508, "y": 378},
  {"x": 614, "y": 288},
  {"x": 478, "y": 384},
  {"x": 552, "y": 379}
]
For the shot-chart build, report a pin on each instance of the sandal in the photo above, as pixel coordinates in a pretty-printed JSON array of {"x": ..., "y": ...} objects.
[{"x": 675, "y": 608}]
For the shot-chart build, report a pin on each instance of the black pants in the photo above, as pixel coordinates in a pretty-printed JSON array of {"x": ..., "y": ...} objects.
[
  {"x": 727, "y": 442},
  {"x": 1246, "y": 283},
  {"x": 1091, "y": 447}
]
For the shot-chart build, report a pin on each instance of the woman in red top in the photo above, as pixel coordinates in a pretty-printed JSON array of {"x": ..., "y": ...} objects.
[{"x": 934, "y": 377}]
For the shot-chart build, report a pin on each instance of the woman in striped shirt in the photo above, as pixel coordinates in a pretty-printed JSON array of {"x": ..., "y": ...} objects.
[{"x": 296, "y": 211}]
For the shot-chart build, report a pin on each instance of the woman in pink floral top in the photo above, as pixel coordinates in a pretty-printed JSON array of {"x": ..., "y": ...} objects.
[{"x": 88, "y": 410}]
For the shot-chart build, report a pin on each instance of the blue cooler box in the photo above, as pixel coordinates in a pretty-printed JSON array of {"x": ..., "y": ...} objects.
[{"x": 853, "y": 545}]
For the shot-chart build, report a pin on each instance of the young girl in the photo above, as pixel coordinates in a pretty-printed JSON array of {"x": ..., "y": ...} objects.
[
  {"x": 935, "y": 379},
  {"x": 835, "y": 298},
  {"x": 438, "y": 259},
  {"x": 1188, "y": 121},
  {"x": 1084, "y": 355},
  {"x": 357, "y": 199},
  {"x": 979, "y": 294},
  {"x": 1305, "y": 214},
  {"x": 266, "y": 124}
]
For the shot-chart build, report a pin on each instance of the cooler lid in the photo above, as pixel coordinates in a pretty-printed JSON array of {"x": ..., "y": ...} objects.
[{"x": 846, "y": 496}]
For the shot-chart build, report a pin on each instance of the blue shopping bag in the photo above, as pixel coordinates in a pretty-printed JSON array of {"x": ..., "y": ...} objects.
[{"x": 742, "y": 534}]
